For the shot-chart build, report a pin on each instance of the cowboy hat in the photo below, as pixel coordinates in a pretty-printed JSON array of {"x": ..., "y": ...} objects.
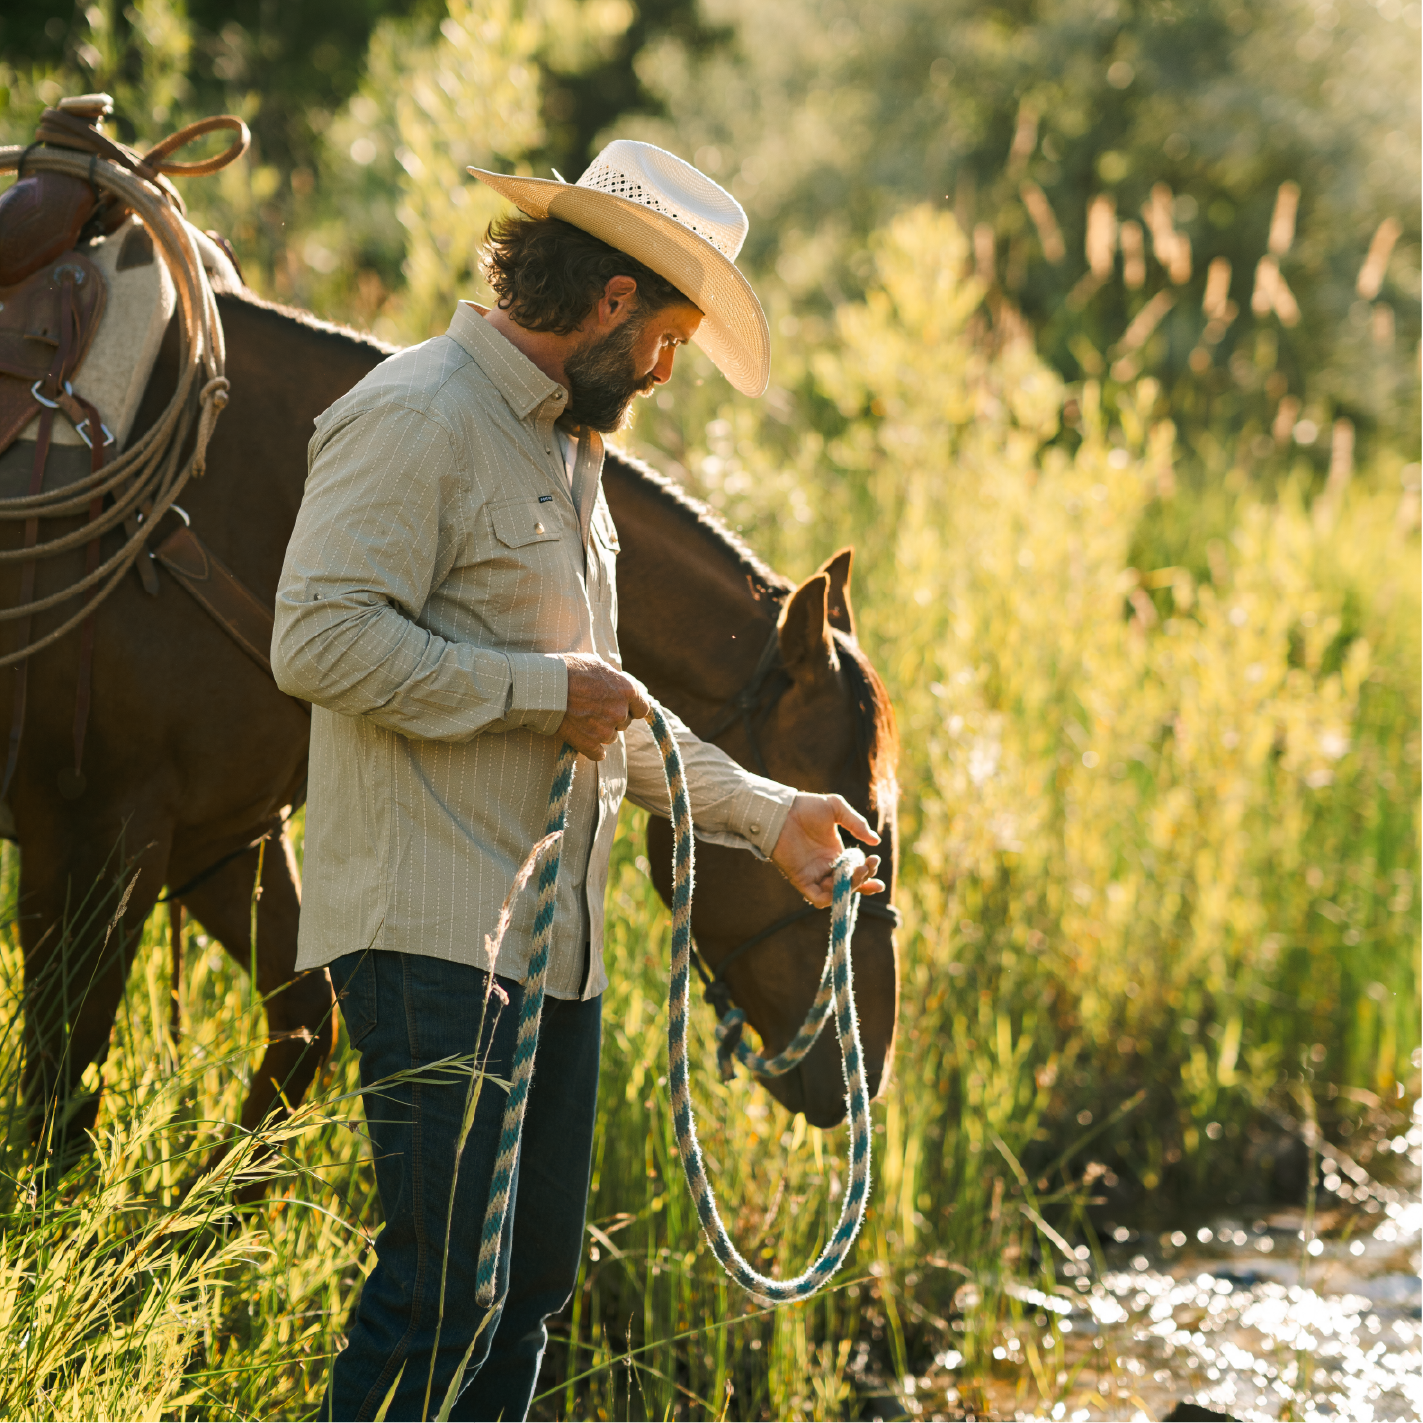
[{"x": 661, "y": 211}]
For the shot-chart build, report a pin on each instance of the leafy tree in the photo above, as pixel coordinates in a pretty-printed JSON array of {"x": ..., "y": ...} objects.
[
  {"x": 827, "y": 116},
  {"x": 598, "y": 83}
]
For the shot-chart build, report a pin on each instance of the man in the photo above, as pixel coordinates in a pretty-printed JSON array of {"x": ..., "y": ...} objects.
[{"x": 448, "y": 608}]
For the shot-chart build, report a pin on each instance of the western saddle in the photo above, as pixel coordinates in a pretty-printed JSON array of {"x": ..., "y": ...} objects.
[{"x": 52, "y": 300}]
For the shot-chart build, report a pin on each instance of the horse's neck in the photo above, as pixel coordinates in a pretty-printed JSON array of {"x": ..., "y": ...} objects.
[
  {"x": 284, "y": 369},
  {"x": 689, "y": 623}
]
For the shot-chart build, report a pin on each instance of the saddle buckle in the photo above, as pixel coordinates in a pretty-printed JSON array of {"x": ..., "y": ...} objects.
[{"x": 80, "y": 431}]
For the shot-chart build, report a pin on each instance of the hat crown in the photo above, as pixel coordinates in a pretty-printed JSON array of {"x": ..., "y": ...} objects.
[{"x": 650, "y": 176}]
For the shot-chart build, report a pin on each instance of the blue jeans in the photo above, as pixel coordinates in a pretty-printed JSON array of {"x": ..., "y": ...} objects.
[{"x": 404, "y": 1011}]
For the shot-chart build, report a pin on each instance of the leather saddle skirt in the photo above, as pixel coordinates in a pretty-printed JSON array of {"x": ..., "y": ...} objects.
[{"x": 30, "y": 315}]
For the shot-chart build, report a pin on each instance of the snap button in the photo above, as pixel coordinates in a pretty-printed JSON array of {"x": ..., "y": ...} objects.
[
  {"x": 538, "y": 528},
  {"x": 755, "y": 829}
]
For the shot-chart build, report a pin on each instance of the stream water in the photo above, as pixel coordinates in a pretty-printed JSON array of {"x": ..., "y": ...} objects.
[{"x": 1269, "y": 1316}]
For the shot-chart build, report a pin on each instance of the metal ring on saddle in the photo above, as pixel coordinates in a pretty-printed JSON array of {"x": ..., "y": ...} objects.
[
  {"x": 108, "y": 434},
  {"x": 44, "y": 399}
]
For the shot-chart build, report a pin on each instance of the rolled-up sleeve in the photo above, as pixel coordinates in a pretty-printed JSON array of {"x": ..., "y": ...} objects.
[
  {"x": 730, "y": 805},
  {"x": 359, "y": 569}
]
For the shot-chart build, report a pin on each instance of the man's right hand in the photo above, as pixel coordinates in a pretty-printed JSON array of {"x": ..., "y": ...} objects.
[{"x": 601, "y": 702}]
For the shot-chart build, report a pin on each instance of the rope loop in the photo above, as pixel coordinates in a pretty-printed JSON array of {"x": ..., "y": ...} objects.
[
  {"x": 148, "y": 476},
  {"x": 216, "y": 392},
  {"x": 836, "y": 993},
  {"x": 728, "y": 1041}
]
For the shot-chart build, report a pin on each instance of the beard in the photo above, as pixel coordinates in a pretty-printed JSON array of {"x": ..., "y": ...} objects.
[{"x": 603, "y": 379}]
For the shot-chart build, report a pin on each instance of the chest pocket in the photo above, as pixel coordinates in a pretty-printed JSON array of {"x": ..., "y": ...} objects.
[
  {"x": 606, "y": 530},
  {"x": 518, "y": 522},
  {"x": 528, "y": 588}
]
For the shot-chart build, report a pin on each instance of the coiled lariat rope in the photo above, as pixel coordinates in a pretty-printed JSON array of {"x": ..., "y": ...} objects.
[
  {"x": 836, "y": 989},
  {"x": 145, "y": 480}
]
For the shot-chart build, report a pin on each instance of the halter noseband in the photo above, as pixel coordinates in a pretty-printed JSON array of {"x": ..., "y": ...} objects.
[{"x": 747, "y": 704}]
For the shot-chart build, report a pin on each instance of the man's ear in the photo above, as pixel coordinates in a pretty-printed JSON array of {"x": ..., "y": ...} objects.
[
  {"x": 837, "y": 608},
  {"x": 806, "y": 645},
  {"x": 619, "y": 300}
]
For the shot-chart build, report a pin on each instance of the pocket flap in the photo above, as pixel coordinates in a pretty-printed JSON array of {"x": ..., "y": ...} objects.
[
  {"x": 609, "y": 532},
  {"x": 523, "y": 521}
]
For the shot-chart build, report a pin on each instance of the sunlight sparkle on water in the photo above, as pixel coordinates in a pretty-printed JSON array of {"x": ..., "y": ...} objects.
[{"x": 1316, "y": 1329}]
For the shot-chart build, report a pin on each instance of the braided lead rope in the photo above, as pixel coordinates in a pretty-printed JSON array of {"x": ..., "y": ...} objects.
[
  {"x": 842, "y": 928},
  {"x": 836, "y": 988},
  {"x": 729, "y": 1044},
  {"x": 527, "y": 1041}
]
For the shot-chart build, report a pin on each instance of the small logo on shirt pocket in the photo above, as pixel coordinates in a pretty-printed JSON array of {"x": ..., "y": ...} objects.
[{"x": 545, "y": 498}]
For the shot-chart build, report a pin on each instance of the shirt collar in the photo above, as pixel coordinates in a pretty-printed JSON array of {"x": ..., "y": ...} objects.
[{"x": 515, "y": 376}]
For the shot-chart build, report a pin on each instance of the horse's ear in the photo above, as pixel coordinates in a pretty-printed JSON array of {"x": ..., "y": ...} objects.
[
  {"x": 837, "y": 608},
  {"x": 806, "y": 644}
]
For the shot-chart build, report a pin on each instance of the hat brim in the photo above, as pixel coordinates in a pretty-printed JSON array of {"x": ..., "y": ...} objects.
[{"x": 733, "y": 331}]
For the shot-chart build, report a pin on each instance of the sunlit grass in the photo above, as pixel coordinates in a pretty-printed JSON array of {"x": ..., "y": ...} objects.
[{"x": 1159, "y": 837}]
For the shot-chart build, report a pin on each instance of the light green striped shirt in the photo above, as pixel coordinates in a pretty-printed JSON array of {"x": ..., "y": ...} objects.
[{"x": 439, "y": 564}]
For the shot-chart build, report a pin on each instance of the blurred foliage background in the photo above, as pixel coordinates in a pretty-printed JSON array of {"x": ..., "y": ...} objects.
[{"x": 1097, "y": 333}]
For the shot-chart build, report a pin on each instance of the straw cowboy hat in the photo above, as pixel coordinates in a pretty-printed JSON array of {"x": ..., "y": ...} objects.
[{"x": 650, "y": 204}]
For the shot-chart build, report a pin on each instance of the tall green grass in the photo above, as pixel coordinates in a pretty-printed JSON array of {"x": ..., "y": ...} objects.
[{"x": 1159, "y": 833}]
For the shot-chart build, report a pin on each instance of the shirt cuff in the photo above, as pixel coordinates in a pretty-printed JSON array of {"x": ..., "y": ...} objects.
[
  {"x": 761, "y": 812},
  {"x": 538, "y": 691}
]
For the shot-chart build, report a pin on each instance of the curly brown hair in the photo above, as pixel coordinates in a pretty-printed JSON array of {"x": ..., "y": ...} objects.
[{"x": 548, "y": 274}]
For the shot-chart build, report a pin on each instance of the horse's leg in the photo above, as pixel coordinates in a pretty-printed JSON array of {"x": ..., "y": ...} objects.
[
  {"x": 77, "y": 955},
  {"x": 301, "y": 1028}
]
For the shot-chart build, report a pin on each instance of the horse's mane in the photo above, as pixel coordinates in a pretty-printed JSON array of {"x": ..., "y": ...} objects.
[
  {"x": 706, "y": 524},
  {"x": 876, "y": 733},
  {"x": 348, "y": 335},
  {"x": 875, "y": 729}
]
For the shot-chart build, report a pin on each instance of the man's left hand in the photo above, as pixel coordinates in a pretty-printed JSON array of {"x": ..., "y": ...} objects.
[{"x": 809, "y": 844}]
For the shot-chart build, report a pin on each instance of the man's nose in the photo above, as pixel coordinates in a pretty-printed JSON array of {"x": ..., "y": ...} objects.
[{"x": 662, "y": 371}]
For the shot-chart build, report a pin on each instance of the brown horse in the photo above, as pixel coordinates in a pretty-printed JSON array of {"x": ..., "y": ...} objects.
[
  {"x": 192, "y": 753},
  {"x": 773, "y": 674}
]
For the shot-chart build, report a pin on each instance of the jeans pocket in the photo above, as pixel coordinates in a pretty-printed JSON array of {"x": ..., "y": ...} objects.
[{"x": 354, "y": 978}]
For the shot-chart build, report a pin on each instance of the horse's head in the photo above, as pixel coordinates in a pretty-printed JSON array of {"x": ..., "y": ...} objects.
[{"x": 823, "y": 722}]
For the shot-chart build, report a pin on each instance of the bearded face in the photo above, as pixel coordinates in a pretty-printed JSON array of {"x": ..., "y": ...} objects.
[{"x": 603, "y": 378}]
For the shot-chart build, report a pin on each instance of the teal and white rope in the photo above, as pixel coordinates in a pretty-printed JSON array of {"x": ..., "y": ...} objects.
[
  {"x": 836, "y": 992},
  {"x": 729, "y": 1044},
  {"x": 527, "y": 1041}
]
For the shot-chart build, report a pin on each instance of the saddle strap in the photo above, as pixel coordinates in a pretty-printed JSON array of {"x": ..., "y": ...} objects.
[
  {"x": 20, "y": 692},
  {"x": 72, "y": 784},
  {"x": 218, "y": 590}
]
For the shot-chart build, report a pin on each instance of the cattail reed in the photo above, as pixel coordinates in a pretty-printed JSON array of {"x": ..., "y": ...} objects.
[
  {"x": 1146, "y": 321},
  {"x": 1045, "y": 220},
  {"x": 1101, "y": 235},
  {"x": 1376, "y": 263},
  {"x": 1282, "y": 223},
  {"x": 1025, "y": 138},
  {"x": 1286, "y": 307},
  {"x": 1172, "y": 248},
  {"x": 1216, "y": 301},
  {"x": 1133, "y": 255},
  {"x": 1285, "y": 416},
  {"x": 1179, "y": 267},
  {"x": 1262, "y": 299}
]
